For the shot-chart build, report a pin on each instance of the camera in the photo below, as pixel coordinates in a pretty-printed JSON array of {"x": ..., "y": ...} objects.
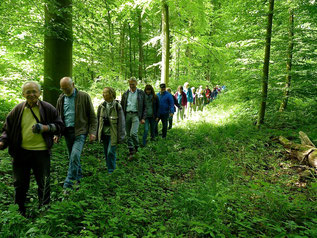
[{"x": 106, "y": 121}]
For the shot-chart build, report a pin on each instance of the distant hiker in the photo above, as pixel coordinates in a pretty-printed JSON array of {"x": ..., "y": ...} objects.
[
  {"x": 218, "y": 88},
  {"x": 133, "y": 104},
  {"x": 152, "y": 105},
  {"x": 166, "y": 108},
  {"x": 28, "y": 132},
  {"x": 181, "y": 98},
  {"x": 194, "y": 104},
  {"x": 190, "y": 99},
  {"x": 111, "y": 126},
  {"x": 176, "y": 104},
  {"x": 215, "y": 93},
  {"x": 77, "y": 112},
  {"x": 208, "y": 94},
  {"x": 200, "y": 98}
]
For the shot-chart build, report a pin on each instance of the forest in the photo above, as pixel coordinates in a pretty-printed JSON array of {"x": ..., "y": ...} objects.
[{"x": 234, "y": 169}]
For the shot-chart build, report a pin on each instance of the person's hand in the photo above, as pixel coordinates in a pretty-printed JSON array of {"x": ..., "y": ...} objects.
[
  {"x": 171, "y": 114},
  {"x": 39, "y": 128},
  {"x": 56, "y": 139},
  {"x": 142, "y": 121},
  {"x": 92, "y": 137},
  {"x": 1, "y": 145}
]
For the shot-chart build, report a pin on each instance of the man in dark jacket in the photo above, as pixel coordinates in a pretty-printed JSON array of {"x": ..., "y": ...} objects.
[
  {"x": 77, "y": 112},
  {"x": 28, "y": 132},
  {"x": 133, "y": 105},
  {"x": 166, "y": 108}
]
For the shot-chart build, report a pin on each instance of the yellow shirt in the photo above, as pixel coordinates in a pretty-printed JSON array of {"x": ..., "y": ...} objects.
[{"x": 31, "y": 141}]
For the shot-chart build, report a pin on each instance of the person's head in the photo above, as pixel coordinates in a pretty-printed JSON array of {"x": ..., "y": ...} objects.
[
  {"x": 31, "y": 91},
  {"x": 149, "y": 90},
  {"x": 67, "y": 86},
  {"x": 193, "y": 89},
  {"x": 109, "y": 94},
  {"x": 169, "y": 90},
  {"x": 132, "y": 84},
  {"x": 163, "y": 87},
  {"x": 207, "y": 87},
  {"x": 180, "y": 89},
  {"x": 186, "y": 85}
]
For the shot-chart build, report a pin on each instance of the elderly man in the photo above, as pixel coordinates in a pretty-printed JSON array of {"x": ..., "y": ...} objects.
[
  {"x": 133, "y": 104},
  {"x": 28, "y": 132},
  {"x": 77, "y": 112}
]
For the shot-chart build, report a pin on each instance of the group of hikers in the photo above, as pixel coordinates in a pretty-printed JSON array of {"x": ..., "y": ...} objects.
[{"x": 32, "y": 127}]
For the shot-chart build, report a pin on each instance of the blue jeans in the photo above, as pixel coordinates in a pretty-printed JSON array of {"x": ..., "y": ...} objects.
[
  {"x": 164, "y": 119},
  {"x": 75, "y": 146},
  {"x": 110, "y": 153},
  {"x": 149, "y": 123}
]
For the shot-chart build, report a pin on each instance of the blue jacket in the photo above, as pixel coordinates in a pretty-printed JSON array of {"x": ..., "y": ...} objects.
[
  {"x": 166, "y": 103},
  {"x": 189, "y": 95}
]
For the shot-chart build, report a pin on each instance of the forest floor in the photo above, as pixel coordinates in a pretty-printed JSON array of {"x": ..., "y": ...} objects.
[{"x": 215, "y": 175}]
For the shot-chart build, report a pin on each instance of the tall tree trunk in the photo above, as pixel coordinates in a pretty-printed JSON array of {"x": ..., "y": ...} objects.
[
  {"x": 265, "y": 77},
  {"x": 58, "y": 45},
  {"x": 165, "y": 44},
  {"x": 145, "y": 60},
  {"x": 141, "y": 58},
  {"x": 177, "y": 62},
  {"x": 111, "y": 35},
  {"x": 289, "y": 60},
  {"x": 130, "y": 51},
  {"x": 122, "y": 51}
]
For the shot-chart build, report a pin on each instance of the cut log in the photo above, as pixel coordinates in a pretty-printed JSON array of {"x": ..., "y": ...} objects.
[
  {"x": 305, "y": 152},
  {"x": 305, "y": 140}
]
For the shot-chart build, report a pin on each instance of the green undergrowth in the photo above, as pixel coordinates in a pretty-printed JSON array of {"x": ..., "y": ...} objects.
[{"x": 214, "y": 176}]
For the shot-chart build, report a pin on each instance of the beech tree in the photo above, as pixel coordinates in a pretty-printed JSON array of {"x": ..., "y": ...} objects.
[
  {"x": 289, "y": 60},
  {"x": 266, "y": 64},
  {"x": 165, "y": 43},
  {"x": 57, "y": 46}
]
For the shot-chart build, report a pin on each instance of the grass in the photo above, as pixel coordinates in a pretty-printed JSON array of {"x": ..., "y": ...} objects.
[{"x": 215, "y": 175}]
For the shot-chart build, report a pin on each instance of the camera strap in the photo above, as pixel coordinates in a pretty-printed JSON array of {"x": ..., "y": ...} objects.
[{"x": 35, "y": 117}]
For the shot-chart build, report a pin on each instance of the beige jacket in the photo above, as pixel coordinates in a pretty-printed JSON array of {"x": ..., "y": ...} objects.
[{"x": 117, "y": 123}]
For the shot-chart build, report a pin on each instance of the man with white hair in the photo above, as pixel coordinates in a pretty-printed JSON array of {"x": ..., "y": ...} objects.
[
  {"x": 133, "y": 105},
  {"x": 28, "y": 132},
  {"x": 77, "y": 112}
]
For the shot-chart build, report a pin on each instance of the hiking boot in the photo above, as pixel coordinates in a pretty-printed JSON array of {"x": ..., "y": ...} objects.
[{"x": 131, "y": 153}]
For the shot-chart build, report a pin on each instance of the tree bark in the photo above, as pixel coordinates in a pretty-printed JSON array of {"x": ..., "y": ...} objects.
[
  {"x": 111, "y": 35},
  {"x": 289, "y": 61},
  {"x": 130, "y": 51},
  {"x": 165, "y": 44},
  {"x": 141, "y": 58},
  {"x": 265, "y": 77},
  {"x": 122, "y": 51},
  {"x": 58, "y": 45}
]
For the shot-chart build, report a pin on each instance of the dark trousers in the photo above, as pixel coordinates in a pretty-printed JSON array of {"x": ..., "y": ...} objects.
[
  {"x": 39, "y": 162},
  {"x": 164, "y": 119},
  {"x": 170, "y": 122}
]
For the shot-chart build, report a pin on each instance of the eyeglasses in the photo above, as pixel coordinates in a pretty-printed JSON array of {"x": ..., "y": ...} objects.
[{"x": 29, "y": 92}]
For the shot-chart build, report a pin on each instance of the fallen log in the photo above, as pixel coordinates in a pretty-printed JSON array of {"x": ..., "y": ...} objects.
[{"x": 306, "y": 152}]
